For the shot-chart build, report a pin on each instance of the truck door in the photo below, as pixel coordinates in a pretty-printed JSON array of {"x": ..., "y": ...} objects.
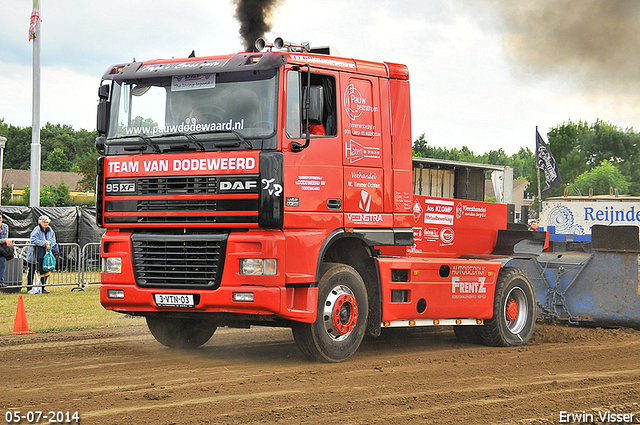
[
  {"x": 362, "y": 152},
  {"x": 313, "y": 175}
]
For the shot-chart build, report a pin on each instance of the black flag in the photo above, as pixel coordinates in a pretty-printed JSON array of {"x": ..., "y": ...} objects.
[{"x": 547, "y": 163}]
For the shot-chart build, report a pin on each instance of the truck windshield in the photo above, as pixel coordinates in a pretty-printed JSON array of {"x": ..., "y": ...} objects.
[{"x": 211, "y": 106}]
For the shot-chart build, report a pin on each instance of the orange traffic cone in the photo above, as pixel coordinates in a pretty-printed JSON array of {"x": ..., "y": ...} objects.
[{"x": 20, "y": 326}]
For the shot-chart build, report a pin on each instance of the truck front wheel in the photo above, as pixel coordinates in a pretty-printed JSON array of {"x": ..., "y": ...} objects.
[
  {"x": 341, "y": 316},
  {"x": 514, "y": 311},
  {"x": 180, "y": 333}
]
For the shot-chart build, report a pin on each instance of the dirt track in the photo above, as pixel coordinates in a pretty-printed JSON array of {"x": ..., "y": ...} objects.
[{"x": 123, "y": 376}]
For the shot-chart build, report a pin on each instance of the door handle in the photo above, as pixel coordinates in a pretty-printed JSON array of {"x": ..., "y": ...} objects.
[{"x": 334, "y": 204}]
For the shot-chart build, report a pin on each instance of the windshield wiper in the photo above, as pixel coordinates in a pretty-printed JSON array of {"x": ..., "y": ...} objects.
[
  {"x": 228, "y": 143},
  {"x": 148, "y": 141},
  {"x": 200, "y": 147},
  {"x": 193, "y": 140},
  {"x": 242, "y": 139},
  {"x": 190, "y": 137}
]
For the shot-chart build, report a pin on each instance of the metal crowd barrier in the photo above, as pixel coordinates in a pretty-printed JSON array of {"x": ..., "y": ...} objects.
[
  {"x": 91, "y": 265},
  {"x": 75, "y": 266}
]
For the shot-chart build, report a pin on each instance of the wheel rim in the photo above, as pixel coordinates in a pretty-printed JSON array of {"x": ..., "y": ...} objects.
[
  {"x": 516, "y": 310},
  {"x": 512, "y": 310},
  {"x": 340, "y": 313}
]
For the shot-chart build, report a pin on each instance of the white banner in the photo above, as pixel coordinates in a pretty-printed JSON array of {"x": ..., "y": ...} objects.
[{"x": 573, "y": 217}]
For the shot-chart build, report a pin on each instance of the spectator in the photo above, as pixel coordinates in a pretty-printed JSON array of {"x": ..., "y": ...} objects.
[
  {"x": 5, "y": 242},
  {"x": 42, "y": 238}
]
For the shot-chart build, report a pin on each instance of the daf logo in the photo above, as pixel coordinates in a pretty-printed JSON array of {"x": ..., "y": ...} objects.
[{"x": 238, "y": 185}]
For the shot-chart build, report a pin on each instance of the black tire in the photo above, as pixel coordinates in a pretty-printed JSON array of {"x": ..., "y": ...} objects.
[
  {"x": 514, "y": 311},
  {"x": 180, "y": 333},
  {"x": 467, "y": 334},
  {"x": 341, "y": 319}
]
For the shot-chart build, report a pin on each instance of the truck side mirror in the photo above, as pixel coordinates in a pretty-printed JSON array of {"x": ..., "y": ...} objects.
[
  {"x": 100, "y": 142},
  {"x": 102, "y": 124}
]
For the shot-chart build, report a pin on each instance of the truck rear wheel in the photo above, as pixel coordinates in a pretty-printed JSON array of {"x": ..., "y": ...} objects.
[
  {"x": 180, "y": 333},
  {"x": 514, "y": 311},
  {"x": 341, "y": 316}
]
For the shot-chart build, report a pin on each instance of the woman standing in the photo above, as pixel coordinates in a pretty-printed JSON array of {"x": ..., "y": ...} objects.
[
  {"x": 42, "y": 238},
  {"x": 4, "y": 236}
]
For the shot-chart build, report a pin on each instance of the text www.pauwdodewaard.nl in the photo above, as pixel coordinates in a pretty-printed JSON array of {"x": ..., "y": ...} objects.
[{"x": 183, "y": 127}]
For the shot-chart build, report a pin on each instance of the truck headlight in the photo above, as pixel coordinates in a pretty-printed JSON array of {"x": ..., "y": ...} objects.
[
  {"x": 111, "y": 265},
  {"x": 258, "y": 266}
]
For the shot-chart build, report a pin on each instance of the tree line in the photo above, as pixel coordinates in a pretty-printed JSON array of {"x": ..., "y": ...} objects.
[
  {"x": 62, "y": 149},
  {"x": 598, "y": 156}
]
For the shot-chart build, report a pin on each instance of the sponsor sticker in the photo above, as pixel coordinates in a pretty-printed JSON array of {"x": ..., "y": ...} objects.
[
  {"x": 468, "y": 289},
  {"x": 193, "y": 82},
  {"x": 313, "y": 183}
]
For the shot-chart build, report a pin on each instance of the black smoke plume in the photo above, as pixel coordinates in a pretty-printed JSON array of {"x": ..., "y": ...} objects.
[
  {"x": 594, "y": 42},
  {"x": 254, "y": 17}
]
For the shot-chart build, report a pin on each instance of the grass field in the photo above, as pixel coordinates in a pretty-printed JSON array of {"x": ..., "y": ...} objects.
[{"x": 62, "y": 309}]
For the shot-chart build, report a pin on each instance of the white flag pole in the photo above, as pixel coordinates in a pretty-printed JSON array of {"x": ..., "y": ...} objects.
[{"x": 34, "y": 189}]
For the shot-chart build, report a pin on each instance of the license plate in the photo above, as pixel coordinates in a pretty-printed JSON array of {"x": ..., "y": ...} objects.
[{"x": 174, "y": 300}]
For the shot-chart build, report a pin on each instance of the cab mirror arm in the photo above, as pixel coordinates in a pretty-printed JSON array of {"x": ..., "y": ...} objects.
[{"x": 295, "y": 146}]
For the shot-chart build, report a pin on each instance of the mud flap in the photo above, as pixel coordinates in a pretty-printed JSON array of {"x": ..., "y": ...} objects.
[{"x": 519, "y": 243}]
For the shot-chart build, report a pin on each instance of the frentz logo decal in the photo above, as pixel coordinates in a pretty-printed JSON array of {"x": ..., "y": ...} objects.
[
  {"x": 365, "y": 201},
  {"x": 460, "y": 287}
]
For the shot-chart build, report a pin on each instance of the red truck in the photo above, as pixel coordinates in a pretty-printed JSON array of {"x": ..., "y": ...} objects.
[{"x": 278, "y": 188}]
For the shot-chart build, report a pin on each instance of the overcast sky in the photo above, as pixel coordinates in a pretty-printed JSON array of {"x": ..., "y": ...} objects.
[{"x": 483, "y": 73}]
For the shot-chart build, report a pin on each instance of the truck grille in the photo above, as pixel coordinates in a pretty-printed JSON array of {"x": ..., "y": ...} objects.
[
  {"x": 178, "y": 261},
  {"x": 231, "y": 199},
  {"x": 182, "y": 185}
]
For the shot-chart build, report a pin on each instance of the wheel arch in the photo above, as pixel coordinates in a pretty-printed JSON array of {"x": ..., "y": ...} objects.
[{"x": 353, "y": 250}]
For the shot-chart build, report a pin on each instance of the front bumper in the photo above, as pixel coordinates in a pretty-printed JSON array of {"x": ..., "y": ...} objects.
[{"x": 298, "y": 304}]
